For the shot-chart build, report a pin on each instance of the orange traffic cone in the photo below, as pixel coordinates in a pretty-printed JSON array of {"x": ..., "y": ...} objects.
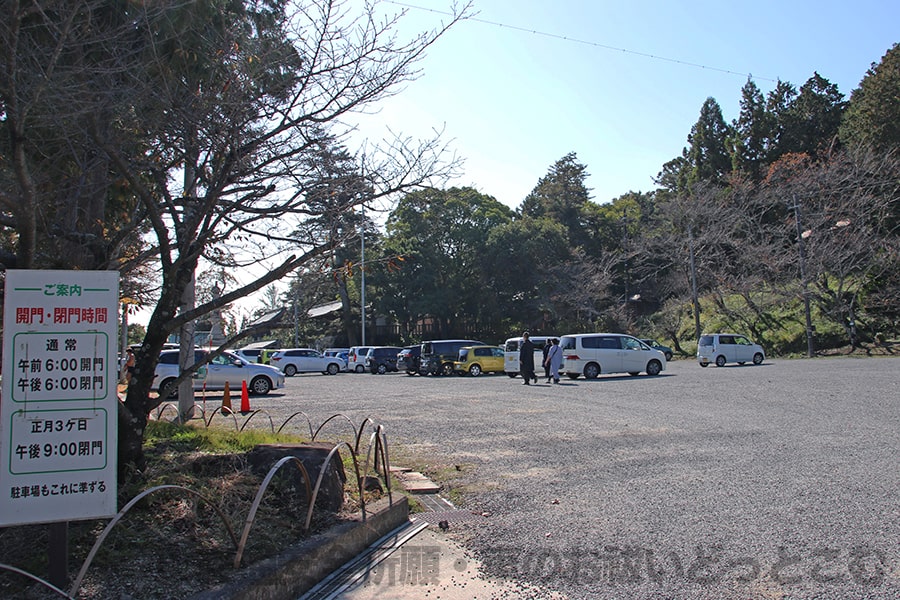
[
  {"x": 226, "y": 398},
  {"x": 245, "y": 397}
]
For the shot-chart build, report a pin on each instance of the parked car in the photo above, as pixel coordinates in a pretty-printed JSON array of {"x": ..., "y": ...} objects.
[
  {"x": 256, "y": 355},
  {"x": 475, "y": 360},
  {"x": 723, "y": 348},
  {"x": 408, "y": 359},
  {"x": 382, "y": 359},
  {"x": 306, "y": 360},
  {"x": 225, "y": 368},
  {"x": 341, "y": 353},
  {"x": 511, "y": 352},
  {"x": 657, "y": 346},
  {"x": 356, "y": 360},
  {"x": 593, "y": 354},
  {"x": 437, "y": 356}
]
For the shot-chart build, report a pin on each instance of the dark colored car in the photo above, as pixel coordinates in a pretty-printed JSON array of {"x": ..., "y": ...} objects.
[
  {"x": 437, "y": 356},
  {"x": 408, "y": 359},
  {"x": 657, "y": 346},
  {"x": 382, "y": 359}
]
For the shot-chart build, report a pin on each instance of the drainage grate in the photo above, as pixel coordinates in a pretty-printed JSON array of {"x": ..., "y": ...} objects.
[{"x": 332, "y": 586}]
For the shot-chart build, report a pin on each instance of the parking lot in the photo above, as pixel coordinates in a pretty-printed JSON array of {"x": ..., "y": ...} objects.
[{"x": 768, "y": 481}]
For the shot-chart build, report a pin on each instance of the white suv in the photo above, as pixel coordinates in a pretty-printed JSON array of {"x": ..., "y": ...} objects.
[
  {"x": 306, "y": 360},
  {"x": 723, "y": 348}
]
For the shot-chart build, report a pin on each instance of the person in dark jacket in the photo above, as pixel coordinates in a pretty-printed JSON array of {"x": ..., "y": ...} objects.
[
  {"x": 544, "y": 362},
  {"x": 526, "y": 359}
]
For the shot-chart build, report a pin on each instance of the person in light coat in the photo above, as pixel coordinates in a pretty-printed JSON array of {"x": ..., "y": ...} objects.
[{"x": 554, "y": 359}]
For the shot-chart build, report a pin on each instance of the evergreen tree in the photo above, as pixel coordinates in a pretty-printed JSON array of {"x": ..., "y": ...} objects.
[
  {"x": 442, "y": 236},
  {"x": 708, "y": 153},
  {"x": 778, "y": 105},
  {"x": 561, "y": 196},
  {"x": 750, "y": 131},
  {"x": 815, "y": 116},
  {"x": 873, "y": 114}
]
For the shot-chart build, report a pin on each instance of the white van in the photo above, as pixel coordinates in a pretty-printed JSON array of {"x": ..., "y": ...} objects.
[
  {"x": 593, "y": 354},
  {"x": 356, "y": 359},
  {"x": 511, "y": 353},
  {"x": 722, "y": 348}
]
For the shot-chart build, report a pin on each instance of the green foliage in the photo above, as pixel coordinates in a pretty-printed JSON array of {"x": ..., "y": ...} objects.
[
  {"x": 707, "y": 155},
  {"x": 443, "y": 237},
  {"x": 193, "y": 438},
  {"x": 873, "y": 114}
]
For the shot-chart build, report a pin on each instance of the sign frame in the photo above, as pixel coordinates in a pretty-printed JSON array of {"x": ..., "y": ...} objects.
[{"x": 59, "y": 397}]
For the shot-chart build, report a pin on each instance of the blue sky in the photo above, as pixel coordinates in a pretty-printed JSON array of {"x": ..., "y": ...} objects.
[
  {"x": 513, "y": 99},
  {"x": 513, "y": 102}
]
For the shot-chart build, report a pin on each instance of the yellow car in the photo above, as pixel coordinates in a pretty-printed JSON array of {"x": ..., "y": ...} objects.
[{"x": 476, "y": 360}]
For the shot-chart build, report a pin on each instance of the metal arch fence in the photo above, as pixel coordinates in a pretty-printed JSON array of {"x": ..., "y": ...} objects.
[{"x": 376, "y": 455}]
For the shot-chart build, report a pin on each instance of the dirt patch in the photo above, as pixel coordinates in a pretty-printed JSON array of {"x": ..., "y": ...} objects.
[{"x": 173, "y": 544}]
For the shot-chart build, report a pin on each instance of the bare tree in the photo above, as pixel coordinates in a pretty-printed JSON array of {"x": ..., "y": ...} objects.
[
  {"x": 205, "y": 115},
  {"x": 841, "y": 219}
]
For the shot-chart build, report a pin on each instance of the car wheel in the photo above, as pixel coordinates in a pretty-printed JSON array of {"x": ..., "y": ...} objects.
[
  {"x": 572, "y": 375},
  {"x": 382, "y": 369},
  {"x": 704, "y": 365},
  {"x": 475, "y": 370},
  {"x": 260, "y": 385},
  {"x": 720, "y": 361},
  {"x": 757, "y": 358},
  {"x": 168, "y": 391},
  {"x": 359, "y": 368},
  {"x": 654, "y": 368},
  {"x": 591, "y": 370},
  {"x": 290, "y": 370},
  {"x": 447, "y": 369},
  {"x": 412, "y": 373},
  {"x": 513, "y": 375},
  {"x": 332, "y": 369},
  {"x": 669, "y": 356}
]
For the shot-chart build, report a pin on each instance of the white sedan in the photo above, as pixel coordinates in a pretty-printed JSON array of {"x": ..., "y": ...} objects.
[{"x": 225, "y": 368}]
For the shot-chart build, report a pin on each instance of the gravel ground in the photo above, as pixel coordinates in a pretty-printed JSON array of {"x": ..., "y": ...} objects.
[{"x": 771, "y": 481}]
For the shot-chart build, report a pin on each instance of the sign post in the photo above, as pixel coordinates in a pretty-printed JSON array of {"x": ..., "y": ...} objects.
[{"x": 58, "y": 404}]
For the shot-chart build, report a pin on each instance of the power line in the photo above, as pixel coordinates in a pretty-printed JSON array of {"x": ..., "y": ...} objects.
[{"x": 587, "y": 43}]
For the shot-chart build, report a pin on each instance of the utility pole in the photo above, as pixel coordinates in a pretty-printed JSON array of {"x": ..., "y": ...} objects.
[
  {"x": 810, "y": 345},
  {"x": 362, "y": 271}
]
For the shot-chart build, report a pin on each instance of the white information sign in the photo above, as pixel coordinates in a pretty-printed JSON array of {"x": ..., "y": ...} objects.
[{"x": 59, "y": 404}]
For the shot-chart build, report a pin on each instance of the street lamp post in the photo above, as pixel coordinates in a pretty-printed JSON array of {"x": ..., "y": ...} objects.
[{"x": 810, "y": 344}]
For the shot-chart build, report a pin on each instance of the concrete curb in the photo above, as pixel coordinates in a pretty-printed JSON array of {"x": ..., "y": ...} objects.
[{"x": 296, "y": 570}]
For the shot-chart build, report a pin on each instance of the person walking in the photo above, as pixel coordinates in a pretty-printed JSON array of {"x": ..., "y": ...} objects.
[
  {"x": 554, "y": 359},
  {"x": 544, "y": 362},
  {"x": 526, "y": 359}
]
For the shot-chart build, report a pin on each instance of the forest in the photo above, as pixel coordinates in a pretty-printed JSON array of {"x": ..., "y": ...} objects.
[{"x": 782, "y": 224}]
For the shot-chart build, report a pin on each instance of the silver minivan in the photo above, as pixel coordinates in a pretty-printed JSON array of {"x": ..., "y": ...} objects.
[
  {"x": 593, "y": 354},
  {"x": 723, "y": 348}
]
